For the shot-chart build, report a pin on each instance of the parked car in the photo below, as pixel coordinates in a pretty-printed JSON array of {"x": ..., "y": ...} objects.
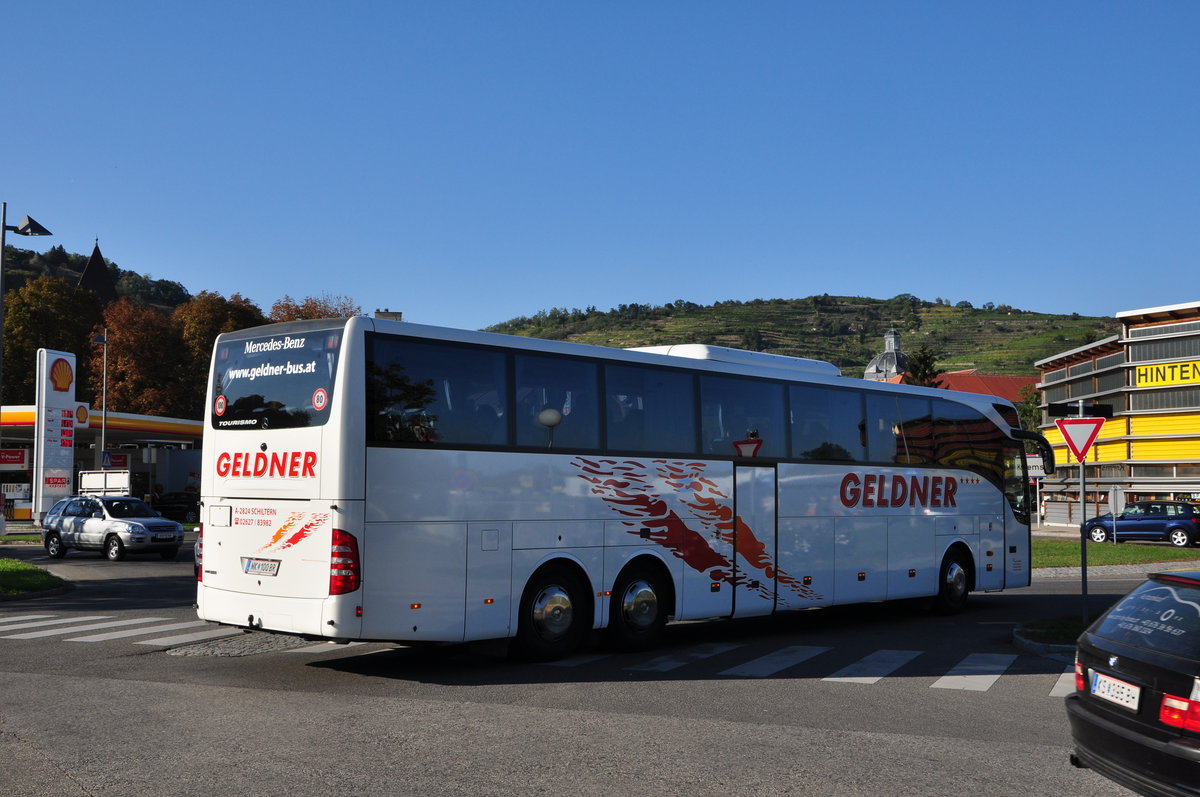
[
  {"x": 1177, "y": 522},
  {"x": 184, "y": 507},
  {"x": 1135, "y": 712},
  {"x": 114, "y": 524}
]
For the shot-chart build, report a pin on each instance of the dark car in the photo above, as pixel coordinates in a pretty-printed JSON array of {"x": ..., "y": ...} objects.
[
  {"x": 184, "y": 507},
  {"x": 1135, "y": 712},
  {"x": 1177, "y": 522}
]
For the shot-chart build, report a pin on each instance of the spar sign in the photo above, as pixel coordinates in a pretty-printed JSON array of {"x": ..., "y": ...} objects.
[{"x": 1079, "y": 433}]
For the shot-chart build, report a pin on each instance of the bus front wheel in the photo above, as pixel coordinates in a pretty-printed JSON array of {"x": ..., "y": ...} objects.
[
  {"x": 954, "y": 584},
  {"x": 553, "y": 615},
  {"x": 638, "y": 612}
]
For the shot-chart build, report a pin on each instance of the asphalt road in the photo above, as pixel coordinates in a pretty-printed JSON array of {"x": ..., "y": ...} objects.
[{"x": 788, "y": 705}]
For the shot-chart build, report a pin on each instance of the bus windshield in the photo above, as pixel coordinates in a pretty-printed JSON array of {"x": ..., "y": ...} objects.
[{"x": 278, "y": 381}]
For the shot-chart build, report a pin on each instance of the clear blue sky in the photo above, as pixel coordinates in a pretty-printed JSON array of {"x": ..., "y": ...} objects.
[{"x": 467, "y": 163}]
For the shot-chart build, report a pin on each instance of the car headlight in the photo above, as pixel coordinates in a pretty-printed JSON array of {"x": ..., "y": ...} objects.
[{"x": 132, "y": 528}]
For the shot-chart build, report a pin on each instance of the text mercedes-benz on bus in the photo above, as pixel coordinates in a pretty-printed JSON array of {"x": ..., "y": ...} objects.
[{"x": 366, "y": 479}]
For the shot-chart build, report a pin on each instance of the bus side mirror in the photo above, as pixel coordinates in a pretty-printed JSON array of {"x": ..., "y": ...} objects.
[{"x": 1044, "y": 448}]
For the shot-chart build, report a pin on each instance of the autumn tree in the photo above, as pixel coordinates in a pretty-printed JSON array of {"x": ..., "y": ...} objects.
[
  {"x": 46, "y": 312},
  {"x": 313, "y": 307},
  {"x": 145, "y": 362},
  {"x": 198, "y": 322}
]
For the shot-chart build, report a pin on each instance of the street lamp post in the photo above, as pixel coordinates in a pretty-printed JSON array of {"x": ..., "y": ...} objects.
[
  {"x": 27, "y": 227},
  {"x": 103, "y": 340}
]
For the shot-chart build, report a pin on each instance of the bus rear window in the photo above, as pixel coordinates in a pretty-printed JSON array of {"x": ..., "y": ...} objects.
[{"x": 275, "y": 382}]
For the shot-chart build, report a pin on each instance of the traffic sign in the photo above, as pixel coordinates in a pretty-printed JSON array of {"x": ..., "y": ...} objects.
[{"x": 1079, "y": 433}]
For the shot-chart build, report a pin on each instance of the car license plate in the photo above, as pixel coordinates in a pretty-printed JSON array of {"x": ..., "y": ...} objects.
[
  {"x": 260, "y": 567},
  {"x": 1115, "y": 691},
  {"x": 164, "y": 536}
]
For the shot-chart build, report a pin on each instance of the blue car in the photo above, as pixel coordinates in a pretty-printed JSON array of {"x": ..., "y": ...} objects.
[{"x": 1176, "y": 522}]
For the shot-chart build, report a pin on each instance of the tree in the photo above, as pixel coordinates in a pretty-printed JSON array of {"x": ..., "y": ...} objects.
[
  {"x": 50, "y": 313},
  {"x": 145, "y": 361},
  {"x": 197, "y": 323},
  {"x": 922, "y": 367},
  {"x": 1028, "y": 409},
  {"x": 313, "y": 307}
]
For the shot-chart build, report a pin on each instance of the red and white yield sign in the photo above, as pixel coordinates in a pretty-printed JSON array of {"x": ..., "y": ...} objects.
[{"x": 1079, "y": 433}]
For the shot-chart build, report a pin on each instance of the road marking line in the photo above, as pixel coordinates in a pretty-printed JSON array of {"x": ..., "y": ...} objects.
[
  {"x": 872, "y": 668},
  {"x": 91, "y": 627},
  {"x": 976, "y": 673},
  {"x": 137, "y": 631},
  {"x": 672, "y": 662},
  {"x": 197, "y": 637},
  {"x": 23, "y": 617},
  {"x": 577, "y": 661},
  {"x": 55, "y": 622},
  {"x": 775, "y": 661},
  {"x": 1065, "y": 684}
]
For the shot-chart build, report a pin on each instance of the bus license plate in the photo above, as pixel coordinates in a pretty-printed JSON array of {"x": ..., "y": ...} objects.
[
  {"x": 260, "y": 567},
  {"x": 1115, "y": 691}
]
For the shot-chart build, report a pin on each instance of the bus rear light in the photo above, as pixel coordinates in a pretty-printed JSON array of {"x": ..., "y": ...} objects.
[
  {"x": 344, "y": 564},
  {"x": 200, "y": 552}
]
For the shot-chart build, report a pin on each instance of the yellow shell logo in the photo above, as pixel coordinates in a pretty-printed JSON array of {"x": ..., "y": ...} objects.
[
  {"x": 61, "y": 375},
  {"x": 81, "y": 415}
]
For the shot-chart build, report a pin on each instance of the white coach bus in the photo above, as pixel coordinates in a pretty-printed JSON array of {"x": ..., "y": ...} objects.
[{"x": 379, "y": 480}]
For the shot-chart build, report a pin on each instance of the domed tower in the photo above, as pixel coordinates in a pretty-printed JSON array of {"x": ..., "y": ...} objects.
[{"x": 891, "y": 363}]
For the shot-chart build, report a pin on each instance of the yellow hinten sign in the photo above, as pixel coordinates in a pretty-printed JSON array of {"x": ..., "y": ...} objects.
[{"x": 1167, "y": 374}]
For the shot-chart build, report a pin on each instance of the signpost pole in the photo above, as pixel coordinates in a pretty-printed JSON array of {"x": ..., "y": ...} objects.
[{"x": 1082, "y": 525}]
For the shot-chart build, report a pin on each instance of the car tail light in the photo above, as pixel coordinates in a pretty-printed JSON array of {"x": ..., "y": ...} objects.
[
  {"x": 200, "y": 552},
  {"x": 1080, "y": 681},
  {"x": 1179, "y": 712},
  {"x": 344, "y": 565}
]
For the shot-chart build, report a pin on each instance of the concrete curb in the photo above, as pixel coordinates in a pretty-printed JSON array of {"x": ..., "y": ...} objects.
[{"x": 1063, "y": 653}]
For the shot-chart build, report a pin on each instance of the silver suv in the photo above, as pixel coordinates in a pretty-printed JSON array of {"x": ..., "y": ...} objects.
[{"x": 114, "y": 524}]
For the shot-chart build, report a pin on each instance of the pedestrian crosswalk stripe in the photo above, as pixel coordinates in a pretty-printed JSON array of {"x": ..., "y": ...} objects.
[
  {"x": 89, "y": 627},
  {"x": 64, "y": 621},
  {"x": 22, "y": 617},
  {"x": 776, "y": 661},
  {"x": 157, "y": 629},
  {"x": 874, "y": 667},
  {"x": 1065, "y": 684},
  {"x": 199, "y": 636},
  {"x": 322, "y": 647},
  {"x": 975, "y": 673},
  {"x": 683, "y": 658}
]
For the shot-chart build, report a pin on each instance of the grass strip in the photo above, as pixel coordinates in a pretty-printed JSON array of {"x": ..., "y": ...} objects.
[
  {"x": 17, "y": 577},
  {"x": 1065, "y": 553}
]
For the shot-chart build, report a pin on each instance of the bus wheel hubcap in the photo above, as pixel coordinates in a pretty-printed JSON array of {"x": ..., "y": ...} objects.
[
  {"x": 956, "y": 578},
  {"x": 639, "y": 604},
  {"x": 552, "y": 612}
]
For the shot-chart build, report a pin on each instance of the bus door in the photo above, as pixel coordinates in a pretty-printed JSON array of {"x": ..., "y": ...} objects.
[{"x": 755, "y": 556}]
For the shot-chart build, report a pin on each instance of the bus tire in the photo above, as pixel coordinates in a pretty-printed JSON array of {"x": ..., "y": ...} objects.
[
  {"x": 954, "y": 584},
  {"x": 554, "y": 614},
  {"x": 638, "y": 613}
]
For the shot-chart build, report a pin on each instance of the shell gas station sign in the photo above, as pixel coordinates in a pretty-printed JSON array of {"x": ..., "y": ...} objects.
[{"x": 57, "y": 414}]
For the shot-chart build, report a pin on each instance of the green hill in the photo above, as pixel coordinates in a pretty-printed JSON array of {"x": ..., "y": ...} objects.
[{"x": 845, "y": 330}]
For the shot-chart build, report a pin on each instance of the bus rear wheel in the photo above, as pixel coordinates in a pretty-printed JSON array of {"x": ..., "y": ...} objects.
[
  {"x": 638, "y": 612},
  {"x": 954, "y": 585},
  {"x": 553, "y": 616}
]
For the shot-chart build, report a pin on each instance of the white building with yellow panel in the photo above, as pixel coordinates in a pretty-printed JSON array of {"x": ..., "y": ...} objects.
[{"x": 1149, "y": 374}]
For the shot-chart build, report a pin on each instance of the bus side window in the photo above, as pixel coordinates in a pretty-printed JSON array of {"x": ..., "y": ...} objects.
[
  {"x": 569, "y": 387},
  {"x": 650, "y": 410},
  {"x": 826, "y": 424},
  {"x": 733, "y": 409}
]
